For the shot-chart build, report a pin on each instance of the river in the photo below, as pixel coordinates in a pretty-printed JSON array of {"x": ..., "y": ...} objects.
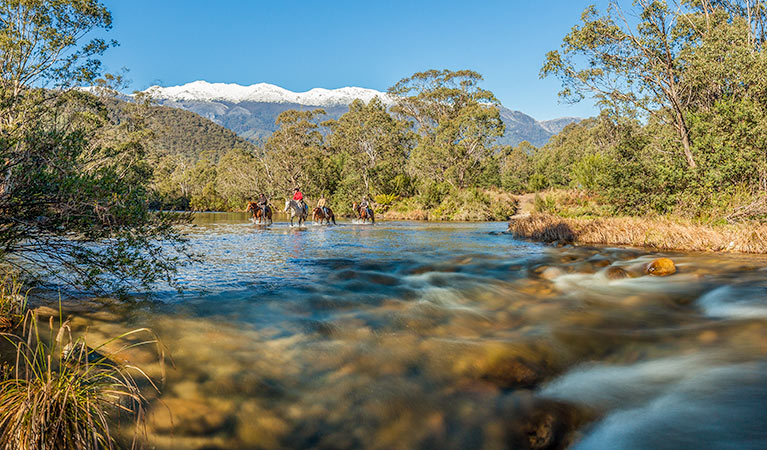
[{"x": 446, "y": 336}]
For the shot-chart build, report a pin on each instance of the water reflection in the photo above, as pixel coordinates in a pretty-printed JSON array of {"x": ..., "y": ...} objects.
[{"x": 423, "y": 335}]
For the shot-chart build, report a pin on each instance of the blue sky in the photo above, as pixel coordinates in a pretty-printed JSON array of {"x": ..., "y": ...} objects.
[{"x": 304, "y": 44}]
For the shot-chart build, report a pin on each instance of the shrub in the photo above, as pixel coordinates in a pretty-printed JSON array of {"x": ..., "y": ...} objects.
[
  {"x": 537, "y": 182},
  {"x": 544, "y": 204},
  {"x": 383, "y": 202},
  {"x": 589, "y": 171},
  {"x": 432, "y": 194}
]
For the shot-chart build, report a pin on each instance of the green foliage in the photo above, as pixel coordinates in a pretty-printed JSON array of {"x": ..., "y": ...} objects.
[
  {"x": 385, "y": 199},
  {"x": 695, "y": 72},
  {"x": 537, "y": 182},
  {"x": 433, "y": 193},
  {"x": 74, "y": 178},
  {"x": 589, "y": 170},
  {"x": 373, "y": 146},
  {"x": 182, "y": 134},
  {"x": 515, "y": 167},
  {"x": 471, "y": 204},
  {"x": 457, "y": 123},
  {"x": 544, "y": 204}
]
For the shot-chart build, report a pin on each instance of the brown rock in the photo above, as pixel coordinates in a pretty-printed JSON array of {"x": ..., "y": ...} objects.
[
  {"x": 541, "y": 424},
  {"x": 601, "y": 263},
  {"x": 616, "y": 273},
  {"x": 660, "y": 267},
  {"x": 258, "y": 424},
  {"x": 513, "y": 373},
  {"x": 708, "y": 337}
]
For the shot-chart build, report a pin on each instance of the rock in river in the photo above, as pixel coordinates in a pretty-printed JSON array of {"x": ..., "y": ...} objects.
[
  {"x": 660, "y": 267},
  {"x": 616, "y": 273}
]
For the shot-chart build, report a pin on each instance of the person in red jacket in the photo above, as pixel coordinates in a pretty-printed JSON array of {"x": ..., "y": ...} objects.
[{"x": 299, "y": 198}]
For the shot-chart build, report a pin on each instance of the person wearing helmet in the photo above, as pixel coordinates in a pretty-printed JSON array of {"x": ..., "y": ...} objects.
[{"x": 299, "y": 198}]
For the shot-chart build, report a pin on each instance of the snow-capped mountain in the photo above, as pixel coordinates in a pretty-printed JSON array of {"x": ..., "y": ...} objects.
[
  {"x": 202, "y": 91},
  {"x": 250, "y": 111}
]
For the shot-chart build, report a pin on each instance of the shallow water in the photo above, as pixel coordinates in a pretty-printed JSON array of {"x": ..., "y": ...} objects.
[{"x": 448, "y": 335}]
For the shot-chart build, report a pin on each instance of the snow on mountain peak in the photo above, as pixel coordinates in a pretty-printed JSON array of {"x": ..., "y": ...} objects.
[{"x": 264, "y": 92}]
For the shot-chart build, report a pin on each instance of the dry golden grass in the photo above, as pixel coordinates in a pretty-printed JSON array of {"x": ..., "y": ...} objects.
[
  {"x": 658, "y": 233},
  {"x": 415, "y": 214},
  {"x": 467, "y": 205}
]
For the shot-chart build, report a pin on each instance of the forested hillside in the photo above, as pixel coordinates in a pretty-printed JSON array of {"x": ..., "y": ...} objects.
[
  {"x": 257, "y": 120},
  {"x": 184, "y": 134}
]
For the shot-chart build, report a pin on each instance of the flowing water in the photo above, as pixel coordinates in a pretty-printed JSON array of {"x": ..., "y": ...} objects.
[{"x": 447, "y": 336}]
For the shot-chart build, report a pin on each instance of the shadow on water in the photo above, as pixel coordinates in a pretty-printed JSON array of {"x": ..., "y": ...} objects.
[{"x": 437, "y": 335}]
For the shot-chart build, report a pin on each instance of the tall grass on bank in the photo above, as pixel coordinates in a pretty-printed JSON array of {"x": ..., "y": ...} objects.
[
  {"x": 658, "y": 233},
  {"x": 64, "y": 394},
  {"x": 457, "y": 205},
  {"x": 12, "y": 303}
]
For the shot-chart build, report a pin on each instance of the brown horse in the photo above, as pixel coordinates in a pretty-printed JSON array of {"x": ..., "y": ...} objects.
[
  {"x": 258, "y": 213},
  {"x": 318, "y": 213},
  {"x": 363, "y": 214}
]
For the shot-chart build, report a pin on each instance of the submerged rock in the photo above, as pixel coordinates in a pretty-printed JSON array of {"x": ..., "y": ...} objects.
[
  {"x": 182, "y": 416},
  {"x": 550, "y": 273},
  {"x": 535, "y": 423},
  {"x": 508, "y": 366},
  {"x": 616, "y": 273},
  {"x": 660, "y": 267}
]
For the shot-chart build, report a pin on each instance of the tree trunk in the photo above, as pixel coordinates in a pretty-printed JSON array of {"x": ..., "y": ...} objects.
[{"x": 684, "y": 134}]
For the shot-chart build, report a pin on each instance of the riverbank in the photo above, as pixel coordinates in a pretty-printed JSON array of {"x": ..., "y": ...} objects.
[
  {"x": 655, "y": 233},
  {"x": 467, "y": 205}
]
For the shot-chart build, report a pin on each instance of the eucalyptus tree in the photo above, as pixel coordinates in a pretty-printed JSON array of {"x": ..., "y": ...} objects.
[
  {"x": 640, "y": 66},
  {"x": 295, "y": 154},
  {"x": 373, "y": 144},
  {"x": 456, "y": 120},
  {"x": 73, "y": 184}
]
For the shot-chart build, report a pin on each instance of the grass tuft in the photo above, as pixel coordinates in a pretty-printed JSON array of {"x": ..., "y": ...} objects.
[
  {"x": 12, "y": 303},
  {"x": 63, "y": 394}
]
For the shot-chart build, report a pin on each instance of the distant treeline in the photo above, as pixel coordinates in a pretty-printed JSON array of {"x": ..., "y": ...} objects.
[{"x": 683, "y": 129}]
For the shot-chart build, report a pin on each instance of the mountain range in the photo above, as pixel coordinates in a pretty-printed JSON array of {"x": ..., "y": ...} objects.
[{"x": 251, "y": 111}]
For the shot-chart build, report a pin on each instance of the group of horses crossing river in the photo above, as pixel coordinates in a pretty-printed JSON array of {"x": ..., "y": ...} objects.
[{"x": 297, "y": 212}]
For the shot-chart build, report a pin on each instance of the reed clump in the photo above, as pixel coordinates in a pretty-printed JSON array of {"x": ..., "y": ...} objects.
[
  {"x": 658, "y": 233},
  {"x": 64, "y": 394},
  {"x": 12, "y": 303}
]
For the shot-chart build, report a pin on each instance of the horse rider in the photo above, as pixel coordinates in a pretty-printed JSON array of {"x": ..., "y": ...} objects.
[
  {"x": 322, "y": 203},
  {"x": 262, "y": 202},
  {"x": 299, "y": 197},
  {"x": 365, "y": 203}
]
